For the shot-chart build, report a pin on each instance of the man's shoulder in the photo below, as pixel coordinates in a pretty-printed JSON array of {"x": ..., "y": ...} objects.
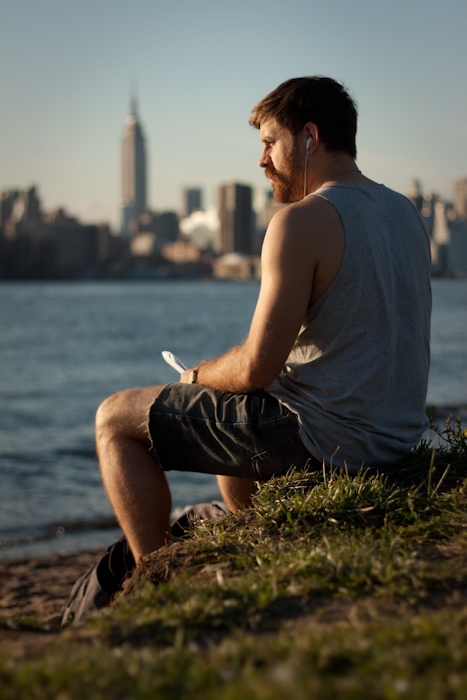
[
  {"x": 312, "y": 215},
  {"x": 304, "y": 236}
]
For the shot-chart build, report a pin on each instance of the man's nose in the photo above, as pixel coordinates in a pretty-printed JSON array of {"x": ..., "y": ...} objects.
[{"x": 265, "y": 159}]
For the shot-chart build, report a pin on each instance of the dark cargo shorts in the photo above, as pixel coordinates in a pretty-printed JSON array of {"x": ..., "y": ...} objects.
[{"x": 253, "y": 436}]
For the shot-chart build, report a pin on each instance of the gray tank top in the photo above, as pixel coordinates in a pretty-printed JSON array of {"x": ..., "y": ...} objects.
[{"x": 357, "y": 374}]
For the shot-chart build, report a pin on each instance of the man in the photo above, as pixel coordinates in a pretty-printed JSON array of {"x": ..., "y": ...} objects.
[{"x": 335, "y": 365}]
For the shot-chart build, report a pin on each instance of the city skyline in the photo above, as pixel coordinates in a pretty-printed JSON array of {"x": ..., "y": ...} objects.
[{"x": 65, "y": 72}]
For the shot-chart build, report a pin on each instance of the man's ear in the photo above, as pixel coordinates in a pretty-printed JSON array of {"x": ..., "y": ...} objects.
[{"x": 311, "y": 134}]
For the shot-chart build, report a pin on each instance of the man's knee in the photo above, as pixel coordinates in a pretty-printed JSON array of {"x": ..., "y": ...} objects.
[
  {"x": 109, "y": 416},
  {"x": 126, "y": 414}
]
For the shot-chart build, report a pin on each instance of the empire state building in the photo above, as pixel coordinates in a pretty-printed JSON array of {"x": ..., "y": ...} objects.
[{"x": 133, "y": 170}]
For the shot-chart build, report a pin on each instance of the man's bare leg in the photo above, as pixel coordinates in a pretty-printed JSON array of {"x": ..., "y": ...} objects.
[
  {"x": 135, "y": 483},
  {"x": 236, "y": 492}
]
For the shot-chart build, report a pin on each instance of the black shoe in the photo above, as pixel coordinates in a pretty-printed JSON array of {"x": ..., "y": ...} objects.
[
  {"x": 95, "y": 589},
  {"x": 87, "y": 596}
]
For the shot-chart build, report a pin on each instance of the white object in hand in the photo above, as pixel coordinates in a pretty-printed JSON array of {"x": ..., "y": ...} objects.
[{"x": 173, "y": 361}]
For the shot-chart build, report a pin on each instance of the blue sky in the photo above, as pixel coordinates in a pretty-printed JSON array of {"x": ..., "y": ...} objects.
[{"x": 66, "y": 68}]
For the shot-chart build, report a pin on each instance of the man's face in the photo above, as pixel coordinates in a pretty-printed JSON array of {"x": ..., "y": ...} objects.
[{"x": 281, "y": 162}]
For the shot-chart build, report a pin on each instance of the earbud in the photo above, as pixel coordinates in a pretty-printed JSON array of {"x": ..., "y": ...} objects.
[{"x": 308, "y": 141}]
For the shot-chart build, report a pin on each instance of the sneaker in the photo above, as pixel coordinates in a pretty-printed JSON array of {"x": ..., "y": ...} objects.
[
  {"x": 95, "y": 589},
  {"x": 87, "y": 596}
]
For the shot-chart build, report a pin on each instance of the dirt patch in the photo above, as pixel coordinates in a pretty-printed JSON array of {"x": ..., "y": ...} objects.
[{"x": 36, "y": 590}]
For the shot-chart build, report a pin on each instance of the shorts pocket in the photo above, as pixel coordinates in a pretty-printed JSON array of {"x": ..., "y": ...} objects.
[{"x": 276, "y": 461}]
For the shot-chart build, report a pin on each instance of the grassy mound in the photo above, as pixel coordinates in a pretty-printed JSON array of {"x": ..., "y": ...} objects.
[{"x": 329, "y": 586}]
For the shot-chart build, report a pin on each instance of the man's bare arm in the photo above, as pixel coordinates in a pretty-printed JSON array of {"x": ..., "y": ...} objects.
[{"x": 290, "y": 255}]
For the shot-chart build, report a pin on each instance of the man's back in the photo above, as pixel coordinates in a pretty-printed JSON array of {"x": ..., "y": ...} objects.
[{"x": 358, "y": 371}]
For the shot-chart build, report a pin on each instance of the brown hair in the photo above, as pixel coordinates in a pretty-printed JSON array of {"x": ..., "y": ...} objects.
[{"x": 316, "y": 99}]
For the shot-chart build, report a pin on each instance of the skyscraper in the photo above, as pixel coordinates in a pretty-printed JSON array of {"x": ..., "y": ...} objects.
[
  {"x": 192, "y": 200},
  {"x": 460, "y": 198},
  {"x": 133, "y": 170},
  {"x": 236, "y": 218}
]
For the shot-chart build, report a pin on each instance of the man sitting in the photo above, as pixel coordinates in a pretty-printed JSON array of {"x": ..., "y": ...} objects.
[{"x": 335, "y": 365}]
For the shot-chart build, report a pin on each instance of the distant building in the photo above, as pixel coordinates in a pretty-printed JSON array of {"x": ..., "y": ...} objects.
[
  {"x": 152, "y": 230},
  {"x": 457, "y": 248},
  {"x": 7, "y": 201},
  {"x": 447, "y": 228},
  {"x": 186, "y": 260},
  {"x": 34, "y": 245},
  {"x": 23, "y": 250},
  {"x": 192, "y": 200},
  {"x": 415, "y": 195},
  {"x": 134, "y": 171},
  {"x": 236, "y": 266},
  {"x": 74, "y": 248},
  {"x": 21, "y": 207},
  {"x": 460, "y": 199},
  {"x": 236, "y": 219},
  {"x": 181, "y": 251},
  {"x": 440, "y": 232},
  {"x": 164, "y": 225}
]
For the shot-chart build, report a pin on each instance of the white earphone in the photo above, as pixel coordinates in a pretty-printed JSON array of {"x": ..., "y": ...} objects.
[{"x": 308, "y": 141}]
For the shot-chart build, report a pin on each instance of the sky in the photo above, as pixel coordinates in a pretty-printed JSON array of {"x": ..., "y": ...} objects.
[{"x": 67, "y": 69}]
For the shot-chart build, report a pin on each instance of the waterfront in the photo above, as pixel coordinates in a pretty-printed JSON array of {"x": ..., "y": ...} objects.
[{"x": 64, "y": 347}]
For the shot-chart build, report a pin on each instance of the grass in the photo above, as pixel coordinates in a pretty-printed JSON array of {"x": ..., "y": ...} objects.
[{"x": 329, "y": 586}]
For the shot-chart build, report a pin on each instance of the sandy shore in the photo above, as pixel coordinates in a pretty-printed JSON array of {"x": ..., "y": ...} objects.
[{"x": 40, "y": 586}]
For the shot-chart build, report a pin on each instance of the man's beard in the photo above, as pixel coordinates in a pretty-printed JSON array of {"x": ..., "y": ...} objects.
[{"x": 288, "y": 184}]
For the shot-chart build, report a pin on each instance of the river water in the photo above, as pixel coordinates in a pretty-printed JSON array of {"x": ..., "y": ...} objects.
[{"x": 64, "y": 347}]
